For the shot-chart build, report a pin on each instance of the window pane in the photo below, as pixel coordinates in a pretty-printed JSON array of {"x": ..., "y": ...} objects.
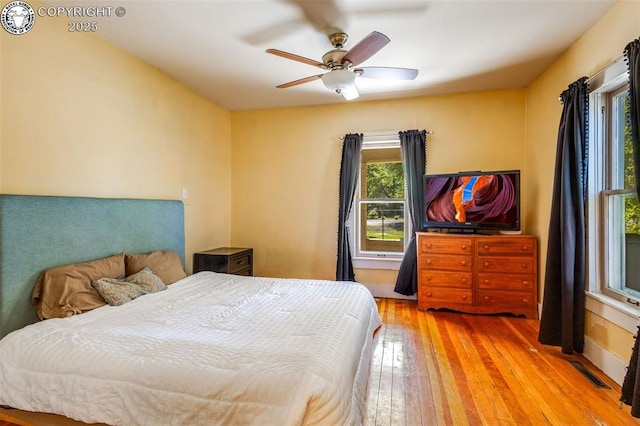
[
  {"x": 632, "y": 243},
  {"x": 624, "y": 243},
  {"x": 385, "y": 180},
  {"x": 382, "y": 226},
  {"x": 622, "y": 167}
]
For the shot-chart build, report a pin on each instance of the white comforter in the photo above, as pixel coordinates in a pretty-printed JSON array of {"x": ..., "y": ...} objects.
[{"x": 211, "y": 349}]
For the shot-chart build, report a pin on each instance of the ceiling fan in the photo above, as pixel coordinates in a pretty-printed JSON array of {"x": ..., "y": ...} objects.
[{"x": 342, "y": 64}]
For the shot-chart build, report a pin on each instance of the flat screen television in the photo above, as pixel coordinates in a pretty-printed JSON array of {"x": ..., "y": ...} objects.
[{"x": 473, "y": 201}]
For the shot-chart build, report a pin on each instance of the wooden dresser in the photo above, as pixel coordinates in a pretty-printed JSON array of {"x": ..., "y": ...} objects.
[{"x": 483, "y": 274}]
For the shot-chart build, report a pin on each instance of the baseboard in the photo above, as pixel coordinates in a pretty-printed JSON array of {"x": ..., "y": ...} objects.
[
  {"x": 610, "y": 365},
  {"x": 385, "y": 291}
]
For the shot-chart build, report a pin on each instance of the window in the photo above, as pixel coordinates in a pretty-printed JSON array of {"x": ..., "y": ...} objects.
[
  {"x": 380, "y": 206},
  {"x": 614, "y": 211}
]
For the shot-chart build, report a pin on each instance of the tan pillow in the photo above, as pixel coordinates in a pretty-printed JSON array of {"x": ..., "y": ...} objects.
[
  {"x": 66, "y": 290},
  {"x": 165, "y": 264}
]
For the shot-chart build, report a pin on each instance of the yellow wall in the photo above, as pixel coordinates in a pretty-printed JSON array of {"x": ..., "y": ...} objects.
[
  {"x": 83, "y": 118},
  {"x": 599, "y": 46},
  {"x": 286, "y": 164}
]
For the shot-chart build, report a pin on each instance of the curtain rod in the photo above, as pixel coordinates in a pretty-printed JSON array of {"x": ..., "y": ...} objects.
[
  {"x": 387, "y": 133},
  {"x": 619, "y": 61}
]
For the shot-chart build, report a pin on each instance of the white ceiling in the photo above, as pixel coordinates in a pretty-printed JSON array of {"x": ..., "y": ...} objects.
[{"x": 217, "y": 47}]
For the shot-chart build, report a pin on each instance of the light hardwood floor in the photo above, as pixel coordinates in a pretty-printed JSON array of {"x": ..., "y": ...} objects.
[{"x": 447, "y": 368}]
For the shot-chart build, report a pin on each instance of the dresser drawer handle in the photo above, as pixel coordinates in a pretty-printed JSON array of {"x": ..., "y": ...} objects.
[
  {"x": 463, "y": 263},
  {"x": 429, "y": 245},
  {"x": 429, "y": 261},
  {"x": 464, "y": 297},
  {"x": 486, "y": 247},
  {"x": 429, "y": 294},
  {"x": 524, "y": 266},
  {"x": 525, "y": 300},
  {"x": 486, "y": 264},
  {"x": 486, "y": 298},
  {"x": 525, "y": 248},
  {"x": 463, "y": 246},
  {"x": 525, "y": 283},
  {"x": 486, "y": 281},
  {"x": 464, "y": 280}
]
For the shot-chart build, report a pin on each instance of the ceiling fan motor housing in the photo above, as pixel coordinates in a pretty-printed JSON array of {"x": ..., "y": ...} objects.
[{"x": 333, "y": 59}]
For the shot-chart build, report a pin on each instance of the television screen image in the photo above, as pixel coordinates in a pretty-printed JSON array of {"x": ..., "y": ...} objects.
[{"x": 473, "y": 200}]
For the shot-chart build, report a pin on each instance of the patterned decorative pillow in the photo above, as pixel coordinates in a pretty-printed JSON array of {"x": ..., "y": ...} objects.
[
  {"x": 147, "y": 280},
  {"x": 117, "y": 292}
]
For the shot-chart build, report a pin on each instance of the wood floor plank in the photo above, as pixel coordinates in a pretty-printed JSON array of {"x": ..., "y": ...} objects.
[
  {"x": 454, "y": 408},
  {"x": 447, "y": 368},
  {"x": 488, "y": 405}
]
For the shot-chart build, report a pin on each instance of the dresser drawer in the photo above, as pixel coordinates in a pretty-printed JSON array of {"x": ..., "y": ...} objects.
[
  {"x": 445, "y": 245},
  {"x": 437, "y": 295},
  {"x": 446, "y": 279},
  {"x": 450, "y": 263},
  {"x": 508, "y": 299},
  {"x": 516, "y": 246},
  {"x": 513, "y": 265},
  {"x": 517, "y": 282}
]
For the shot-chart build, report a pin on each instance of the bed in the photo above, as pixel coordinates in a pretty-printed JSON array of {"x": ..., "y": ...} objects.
[{"x": 208, "y": 349}]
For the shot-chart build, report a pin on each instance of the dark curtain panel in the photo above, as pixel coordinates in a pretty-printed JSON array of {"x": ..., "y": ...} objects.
[
  {"x": 413, "y": 146},
  {"x": 631, "y": 384},
  {"x": 349, "y": 169},
  {"x": 562, "y": 322}
]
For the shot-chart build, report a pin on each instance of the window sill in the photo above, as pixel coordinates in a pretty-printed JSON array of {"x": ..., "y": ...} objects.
[
  {"x": 615, "y": 311},
  {"x": 377, "y": 263}
]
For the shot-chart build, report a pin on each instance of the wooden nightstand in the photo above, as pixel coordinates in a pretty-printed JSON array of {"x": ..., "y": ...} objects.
[{"x": 228, "y": 260}]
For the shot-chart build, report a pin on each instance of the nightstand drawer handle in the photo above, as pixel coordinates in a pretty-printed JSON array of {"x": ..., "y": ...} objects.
[{"x": 239, "y": 262}]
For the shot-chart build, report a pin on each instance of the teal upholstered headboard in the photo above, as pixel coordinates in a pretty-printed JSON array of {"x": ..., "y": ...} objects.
[{"x": 39, "y": 232}]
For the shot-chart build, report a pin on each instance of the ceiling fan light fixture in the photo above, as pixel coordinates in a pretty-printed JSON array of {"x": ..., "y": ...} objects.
[
  {"x": 339, "y": 81},
  {"x": 350, "y": 93}
]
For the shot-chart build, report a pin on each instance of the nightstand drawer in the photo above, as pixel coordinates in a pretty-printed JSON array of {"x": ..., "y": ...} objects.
[{"x": 239, "y": 263}]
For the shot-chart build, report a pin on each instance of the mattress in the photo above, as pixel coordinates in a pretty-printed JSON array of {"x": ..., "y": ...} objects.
[{"x": 212, "y": 349}]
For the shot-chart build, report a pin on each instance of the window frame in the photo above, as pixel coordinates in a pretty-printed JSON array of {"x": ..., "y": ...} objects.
[
  {"x": 376, "y": 259},
  {"x": 601, "y": 298}
]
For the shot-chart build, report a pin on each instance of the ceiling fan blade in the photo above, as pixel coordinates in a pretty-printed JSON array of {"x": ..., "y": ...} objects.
[
  {"x": 300, "y": 81},
  {"x": 366, "y": 48},
  {"x": 388, "y": 73},
  {"x": 275, "y": 32},
  {"x": 297, "y": 58},
  {"x": 324, "y": 15}
]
